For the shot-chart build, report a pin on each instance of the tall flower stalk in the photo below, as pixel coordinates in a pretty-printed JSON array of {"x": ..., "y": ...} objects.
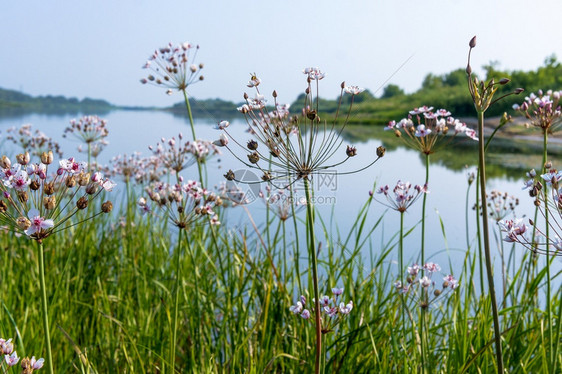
[
  {"x": 483, "y": 96},
  {"x": 37, "y": 205},
  {"x": 427, "y": 131},
  {"x": 289, "y": 149},
  {"x": 173, "y": 67}
]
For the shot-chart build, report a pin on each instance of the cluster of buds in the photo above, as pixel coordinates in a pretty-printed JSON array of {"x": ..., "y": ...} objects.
[
  {"x": 178, "y": 155},
  {"x": 542, "y": 109},
  {"x": 426, "y": 129},
  {"x": 172, "y": 67},
  {"x": 36, "y": 142},
  {"x": 402, "y": 198},
  {"x": 281, "y": 147},
  {"x": 422, "y": 288},
  {"x": 332, "y": 309},
  {"x": 38, "y": 205},
  {"x": 11, "y": 358},
  {"x": 483, "y": 94},
  {"x": 185, "y": 204}
]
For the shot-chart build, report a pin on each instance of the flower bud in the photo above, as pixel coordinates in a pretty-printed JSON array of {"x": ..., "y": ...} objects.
[
  {"x": 274, "y": 94},
  {"x": 91, "y": 188},
  {"x": 397, "y": 133},
  {"x": 380, "y": 151},
  {"x": 548, "y": 165},
  {"x": 47, "y": 157},
  {"x": 82, "y": 203},
  {"x": 504, "y": 81},
  {"x": 437, "y": 293},
  {"x": 472, "y": 42},
  {"x": 518, "y": 90}
]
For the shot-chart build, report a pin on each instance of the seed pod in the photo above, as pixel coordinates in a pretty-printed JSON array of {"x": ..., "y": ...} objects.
[
  {"x": 380, "y": 151},
  {"x": 47, "y": 157},
  {"x": 254, "y": 157},
  {"x": 49, "y": 188},
  {"x": 49, "y": 202},
  {"x": 252, "y": 145},
  {"x": 34, "y": 185},
  {"x": 23, "y": 197},
  {"x": 351, "y": 151},
  {"x": 3, "y": 206},
  {"x": 70, "y": 181},
  {"x": 229, "y": 175},
  {"x": 23, "y": 223},
  {"x": 82, "y": 203},
  {"x": 107, "y": 207}
]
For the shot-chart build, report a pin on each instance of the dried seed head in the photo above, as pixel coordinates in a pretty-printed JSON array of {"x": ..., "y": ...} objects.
[
  {"x": 49, "y": 202},
  {"x": 34, "y": 185},
  {"x": 23, "y": 223},
  {"x": 266, "y": 176},
  {"x": 107, "y": 207},
  {"x": 311, "y": 115},
  {"x": 83, "y": 179},
  {"x": 82, "y": 203},
  {"x": 22, "y": 196},
  {"x": 254, "y": 157},
  {"x": 23, "y": 158},
  {"x": 351, "y": 151},
  {"x": 380, "y": 151},
  {"x": 70, "y": 181},
  {"x": 229, "y": 175},
  {"x": 5, "y": 162},
  {"x": 47, "y": 157},
  {"x": 537, "y": 202},
  {"x": 49, "y": 188},
  {"x": 91, "y": 188},
  {"x": 252, "y": 145}
]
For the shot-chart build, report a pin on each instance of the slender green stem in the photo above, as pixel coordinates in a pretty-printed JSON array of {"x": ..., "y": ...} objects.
[
  {"x": 45, "y": 309},
  {"x": 485, "y": 232},
  {"x": 547, "y": 239},
  {"x": 401, "y": 266},
  {"x": 312, "y": 253},
  {"x": 190, "y": 115},
  {"x": 176, "y": 302},
  {"x": 423, "y": 211}
]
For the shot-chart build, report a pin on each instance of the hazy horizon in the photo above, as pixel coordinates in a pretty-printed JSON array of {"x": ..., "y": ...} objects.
[{"x": 97, "y": 50}]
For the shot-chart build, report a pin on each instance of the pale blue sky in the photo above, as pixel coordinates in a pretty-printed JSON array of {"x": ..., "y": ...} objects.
[{"x": 97, "y": 48}]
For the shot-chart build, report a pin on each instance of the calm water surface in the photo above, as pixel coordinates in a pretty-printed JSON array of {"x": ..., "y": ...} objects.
[{"x": 343, "y": 195}]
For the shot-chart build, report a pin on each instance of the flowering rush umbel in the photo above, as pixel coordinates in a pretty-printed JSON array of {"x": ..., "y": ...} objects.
[
  {"x": 177, "y": 155},
  {"x": 292, "y": 147},
  {"x": 424, "y": 288},
  {"x": 332, "y": 309},
  {"x": 173, "y": 67},
  {"x": 427, "y": 130},
  {"x": 542, "y": 109},
  {"x": 185, "y": 204},
  {"x": 37, "y": 204},
  {"x": 516, "y": 229},
  {"x": 88, "y": 129},
  {"x": 35, "y": 142},
  {"x": 402, "y": 198}
]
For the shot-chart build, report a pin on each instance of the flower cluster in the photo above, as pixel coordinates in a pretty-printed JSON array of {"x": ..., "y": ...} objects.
[
  {"x": 402, "y": 198},
  {"x": 11, "y": 358},
  {"x": 424, "y": 128},
  {"x": 542, "y": 109},
  {"x": 38, "y": 205},
  {"x": 172, "y": 67},
  {"x": 35, "y": 142},
  {"x": 515, "y": 230},
  {"x": 89, "y": 129},
  {"x": 500, "y": 204},
  {"x": 185, "y": 204},
  {"x": 421, "y": 287},
  {"x": 178, "y": 155},
  {"x": 136, "y": 168},
  {"x": 297, "y": 146},
  {"x": 332, "y": 309}
]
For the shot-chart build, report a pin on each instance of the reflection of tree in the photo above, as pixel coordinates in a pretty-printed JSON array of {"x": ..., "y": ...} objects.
[{"x": 506, "y": 157}]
